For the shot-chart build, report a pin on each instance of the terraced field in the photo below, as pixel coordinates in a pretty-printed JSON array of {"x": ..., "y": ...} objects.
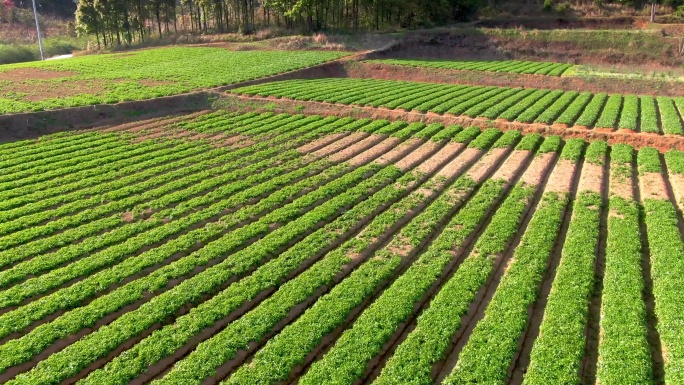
[
  {"x": 644, "y": 114},
  {"x": 267, "y": 248},
  {"x": 511, "y": 66},
  {"x": 139, "y": 75}
]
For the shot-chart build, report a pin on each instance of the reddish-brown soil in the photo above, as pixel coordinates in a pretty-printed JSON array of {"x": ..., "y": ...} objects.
[
  {"x": 415, "y": 157},
  {"x": 321, "y": 142},
  {"x": 677, "y": 182},
  {"x": 448, "y": 151},
  {"x": 375, "y": 152},
  {"x": 349, "y": 152},
  {"x": 458, "y": 164},
  {"x": 397, "y": 151},
  {"x": 561, "y": 178},
  {"x": 535, "y": 172},
  {"x": 652, "y": 185},
  {"x": 23, "y": 74},
  {"x": 49, "y": 90},
  {"x": 504, "y": 79},
  {"x": 638, "y": 140},
  {"x": 621, "y": 186},
  {"x": 516, "y": 160},
  {"x": 591, "y": 178}
]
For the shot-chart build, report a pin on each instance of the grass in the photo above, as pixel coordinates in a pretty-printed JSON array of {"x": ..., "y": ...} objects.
[
  {"x": 625, "y": 72},
  {"x": 16, "y": 53}
]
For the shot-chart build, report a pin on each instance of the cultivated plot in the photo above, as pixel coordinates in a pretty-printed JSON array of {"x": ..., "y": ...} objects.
[
  {"x": 511, "y": 66},
  {"x": 263, "y": 248},
  {"x": 644, "y": 114},
  {"x": 145, "y": 74}
]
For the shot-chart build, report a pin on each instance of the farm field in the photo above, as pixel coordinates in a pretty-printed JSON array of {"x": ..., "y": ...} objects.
[
  {"x": 138, "y": 75},
  {"x": 259, "y": 248},
  {"x": 512, "y": 66},
  {"x": 643, "y": 114}
]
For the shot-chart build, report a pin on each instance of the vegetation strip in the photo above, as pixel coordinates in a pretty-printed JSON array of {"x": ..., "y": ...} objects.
[
  {"x": 17, "y": 319},
  {"x": 624, "y": 354}
]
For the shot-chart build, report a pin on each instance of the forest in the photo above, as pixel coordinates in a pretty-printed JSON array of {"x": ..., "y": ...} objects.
[{"x": 125, "y": 21}]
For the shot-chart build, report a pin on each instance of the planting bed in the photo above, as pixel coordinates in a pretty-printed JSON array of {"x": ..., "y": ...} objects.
[
  {"x": 258, "y": 248},
  {"x": 584, "y": 110}
]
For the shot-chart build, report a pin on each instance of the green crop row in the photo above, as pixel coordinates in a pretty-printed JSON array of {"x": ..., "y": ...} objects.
[
  {"x": 539, "y": 107},
  {"x": 142, "y": 166},
  {"x": 494, "y": 341},
  {"x": 509, "y": 97},
  {"x": 255, "y": 160},
  {"x": 60, "y": 157},
  {"x": 593, "y": 110},
  {"x": 492, "y": 109},
  {"x": 554, "y": 111},
  {"x": 523, "y": 106},
  {"x": 124, "y": 233},
  {"x": 557, "y": 353},
  {"x": 629, "y": 116},
  {"x": 610, "y": 114},
  {"x": 177, "y": 190},
  {"x": 671, "y": 122},
  {"x": 648, "y": 115},
  {"x": 428, "y": 343},
  {"x": 480, "y": 97},
  {"x": 59, "y": 178},
  {"x": 624, "y": 353},
  {"x": 348, "y": 358},
  {"x": 464, "y": 95}
]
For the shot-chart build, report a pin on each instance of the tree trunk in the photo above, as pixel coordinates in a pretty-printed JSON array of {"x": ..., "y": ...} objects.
[
  {"x": 159, "y": 23},
  {"x": 653, "y": 12}
]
